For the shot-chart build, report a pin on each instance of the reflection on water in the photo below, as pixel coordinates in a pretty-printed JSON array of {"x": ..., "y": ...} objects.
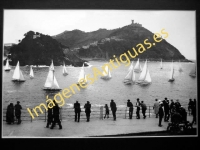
[{"x": 30, "y": 93}]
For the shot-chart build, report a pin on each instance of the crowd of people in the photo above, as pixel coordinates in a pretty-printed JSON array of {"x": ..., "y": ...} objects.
[{"x": 162, "y": 109}]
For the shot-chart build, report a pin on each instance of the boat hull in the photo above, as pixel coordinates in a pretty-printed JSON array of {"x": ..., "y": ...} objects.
[
  {"x": 16, "y": 80},
  {"x": 49, "y": 89},
  {"x": 193, "y": 75},
  {"x": 7, "y": 69},
  {"x": 171, "y": 80},
  {"x": 105, "y": 78}
]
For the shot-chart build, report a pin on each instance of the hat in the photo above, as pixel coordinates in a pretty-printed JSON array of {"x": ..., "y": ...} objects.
[
  {"x": 138, "y": 99},
  {"x": 165, "y": 97},
  {"x": 18, "y": 102},
  {"x": 128, "y": 100},
  {"x": 111, "y": 99}
]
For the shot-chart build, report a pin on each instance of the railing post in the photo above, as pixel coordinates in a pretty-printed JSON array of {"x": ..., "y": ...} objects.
[
  {"x": 45, "y": 116},
  {"x": 149, "y": 111},
  {"x": 101, "y": 112},
  {"x": 125, "y": 112},
  {"x": 31, "y": 116}
]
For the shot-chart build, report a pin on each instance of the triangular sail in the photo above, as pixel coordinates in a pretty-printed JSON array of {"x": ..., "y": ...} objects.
[
  {"x": 171, "y": 77},
  {"x": 64, "y": 70},
  {"x": 82, "y": 75},
  {"x": 106, "y": 73},
  {"x": 31, "y": 72},
  {"x": 148, "y": 77},
  {"x": 51, "y": 82},
  {"x": 131, "y": 66},
  {"x": 137, "y": 67},
  {"x": 143, "y": 73},
  {"x": 7, "y": 67},
  {"x": 17, "y": 75},
  {"x": 193, "y": 71},
  {"x": 130, "y": 77}
]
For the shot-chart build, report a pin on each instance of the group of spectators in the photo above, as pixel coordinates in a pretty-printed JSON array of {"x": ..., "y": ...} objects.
[{"x": 13, "y": 113}]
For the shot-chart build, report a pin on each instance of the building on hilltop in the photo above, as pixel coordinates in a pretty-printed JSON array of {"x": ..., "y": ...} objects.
[{"x": 135, "y": 24}]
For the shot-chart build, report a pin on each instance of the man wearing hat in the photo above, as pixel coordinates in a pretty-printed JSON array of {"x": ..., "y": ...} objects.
[
  {"x": 166, "y": 109},
  {"x": 130, "y": 105},
  {"x": 87, "y": 110},
  {"x": 138, "y": 109},
  {"x": 113, "y": 109},
  {"x": 56, "y": 118},
  {"x": 77, "y": 110},
  {"x": 160, "y": 113},
  {"x": 18, "y": 108}
]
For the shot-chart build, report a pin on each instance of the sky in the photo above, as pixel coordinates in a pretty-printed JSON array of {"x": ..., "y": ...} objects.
[{"x": 180, "y": 25}]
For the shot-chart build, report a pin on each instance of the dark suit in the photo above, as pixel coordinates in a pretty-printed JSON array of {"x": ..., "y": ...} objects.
[
  {"x": 87, "y": 111},
  {"x": 77, "y": 110},
  {"x": 49, "y": 117},
  {"x": 138, "y": 110},
  {"x": 113, "y": 109},
  {"x": 18, "y": 108},
  {"x": 56, "y": 119},
  {"x": 161, "y": 114},
  {"x": 130, "y": 105}
]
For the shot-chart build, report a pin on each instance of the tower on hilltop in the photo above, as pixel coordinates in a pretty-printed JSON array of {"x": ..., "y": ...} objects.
[{"x": 132, "y": 21}]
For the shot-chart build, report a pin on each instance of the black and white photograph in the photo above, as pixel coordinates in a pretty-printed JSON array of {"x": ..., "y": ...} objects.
[{"x": 99, "y": 73}]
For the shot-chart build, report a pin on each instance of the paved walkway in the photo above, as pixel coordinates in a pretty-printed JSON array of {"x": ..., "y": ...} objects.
[{"x": 95, "y": 127}]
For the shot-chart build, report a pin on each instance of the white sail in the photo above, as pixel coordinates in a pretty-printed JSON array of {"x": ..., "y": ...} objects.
[
  {"x": 64, "y": 70},
  {"x": 82, "y": 76},
  {"x": 180, "y": 67},
  {"x": 171, "y": 76},
  {"x": 106, "y": 73},
  {"x": 7, "y": 67},
  {"x": 17, "y": 75},
  {"x": 161, "y": 66},
  {"x": 31, "y": 72},
  {"x": 130, "y": 77},
  {"x": 51, "y": 82},
  {"x": 131, "y": 66},
  {"x": 145, "y": 77},
  {"x": 137, "y": 67},
  {"x": 193, "y": 71}
]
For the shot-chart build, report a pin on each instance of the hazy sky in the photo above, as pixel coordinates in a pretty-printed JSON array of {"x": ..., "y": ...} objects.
[{"x": 180, "y": 25}]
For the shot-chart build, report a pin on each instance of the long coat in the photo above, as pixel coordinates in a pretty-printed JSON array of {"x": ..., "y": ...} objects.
[{"x": 156, "y": 107}]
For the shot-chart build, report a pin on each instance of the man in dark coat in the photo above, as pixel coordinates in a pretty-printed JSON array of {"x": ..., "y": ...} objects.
[
  {"x": 49, "y": 116},
  {"x": 87, "y": 110},
  {"x": 194, "y": 112},
  {"x": 161, "y": 114},
  {"x": 113, "y": 109},
  {"x": 138, "y": 109},
  {"x": 18, "y": 108},
  {"x": 171, "y": 107},
  {"x": 130, "y": 105},
  {"x": 10, "y": 114},
  {"x": 77, "y": 110},
  {"x": 190, "y": 105},
  {"x": 56, "y": 113},
  {"x": 166, "y": 109},
  {"x": 177, "y": 105},
  {"x": 144, "y": 108}
]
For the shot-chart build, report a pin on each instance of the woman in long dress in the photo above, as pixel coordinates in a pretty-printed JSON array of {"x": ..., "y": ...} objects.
[{"x": 10, "y": 114}]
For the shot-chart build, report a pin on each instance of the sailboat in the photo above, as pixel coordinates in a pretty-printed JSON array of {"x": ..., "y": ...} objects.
[
  {"x": 180, "y": 67},
  {"x": 171, "y": 77},
  {"x": 64, "y": 70},
  {"x": 106, "y": 73},
  {"x": 161, "y": 66},
  {"x": 17, "y": 75},
  {"x": 193, "y": 71},
  {"x": 145, "y": 77},
  {"x": 31, "y": 72},
  {"x": 82, "y": 76},
  {"x": 130, "y": 77},
  {"x": 7, "y": 67},
  {"x": 137, "y": 67},
  {"x": 51, "y": 83}
]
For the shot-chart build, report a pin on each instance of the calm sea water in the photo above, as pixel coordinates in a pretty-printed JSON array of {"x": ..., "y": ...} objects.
[{"x": 30, "y": 92}]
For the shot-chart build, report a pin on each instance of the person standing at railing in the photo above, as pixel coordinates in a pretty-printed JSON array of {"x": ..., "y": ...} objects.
[
  {"x": 160, "y": 113},
  {"x": 172, "y": 106},
  {"x": 87, "y": 110},
  {"x": 194, "y": 112},
  {"x": 49, "y": 116},
  {"x": 77, "y": 110},
  {"x": 56, "y": 113},
  {"x": 130, "y": 105},
  {"x": 156, "y": 107},
  {"x": 18, "y": 108},
  {"x": 144, "y": 108},
  {"x": 138, "y": 109},
  {"x": 166, "y": 109},
  {"x": 106, "y": 111},
  {"x": 113, "y": 108},
  {"x": 10, "y": 114}
]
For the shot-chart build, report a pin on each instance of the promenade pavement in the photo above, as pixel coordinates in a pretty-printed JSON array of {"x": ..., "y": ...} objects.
[{"x": 83, "y": 129}]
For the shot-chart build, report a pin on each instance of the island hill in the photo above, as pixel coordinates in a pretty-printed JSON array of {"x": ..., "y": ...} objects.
[
  {"x": 39, "y": 49},
  {"x": 103, "y": 44}
]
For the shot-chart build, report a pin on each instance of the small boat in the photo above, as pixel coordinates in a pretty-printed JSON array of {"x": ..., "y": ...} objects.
[
  {"x": 17, "y": 75},
  {"x": 180, "y": 67},
  {"x": 82, "y": 76},
  {"x": 51, "y": 83},
  {"x": 161, "y": 66},
  {"x": 145, "y": 77},
  {"x": 171, "y": 77},
  {"x": 31, "y": 73},
  {"x": 106, "y": 74},
  {"x": 130, "y": 77},
  {"x": 64, "y": 70},
  {"x": 193, "y": 71},
  {"x": 137, "y": 67},
  {"x": 7, "y": 67}
]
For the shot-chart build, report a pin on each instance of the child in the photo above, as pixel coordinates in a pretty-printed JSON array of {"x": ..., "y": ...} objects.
[{"x": 107, "y": 111}]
